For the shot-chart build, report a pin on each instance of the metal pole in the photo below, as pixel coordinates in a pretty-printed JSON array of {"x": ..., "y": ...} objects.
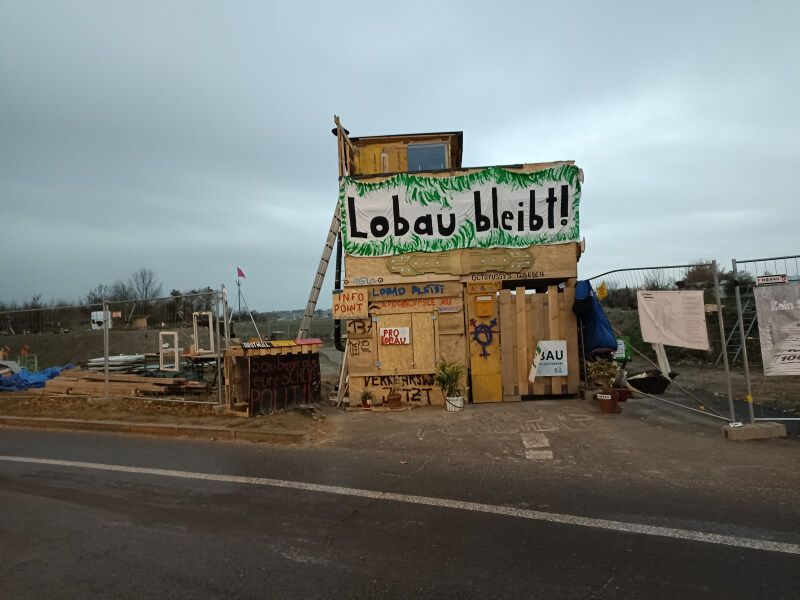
[
  {"x": 722, "y": 340},
  {"x": 224, "y": 294},
  {"x": 219, "y": 349},
  {"x": 743, "y": 345},
  {"x": 239, "y": 287},
  {"x": 106, "y": 315}
]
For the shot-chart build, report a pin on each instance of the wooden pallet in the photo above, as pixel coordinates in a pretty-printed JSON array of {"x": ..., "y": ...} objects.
[{"x": 77, "y": 381}]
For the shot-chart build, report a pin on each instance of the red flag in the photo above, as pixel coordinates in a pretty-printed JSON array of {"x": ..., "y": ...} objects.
[{"x": 239, "y": 272}]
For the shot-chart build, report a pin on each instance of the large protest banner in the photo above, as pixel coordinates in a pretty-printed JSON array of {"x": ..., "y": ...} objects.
[
  {"x": 673, "y": 318},
  {"x": 490, "y": 208},
  {"x": 778, "y": 310}
]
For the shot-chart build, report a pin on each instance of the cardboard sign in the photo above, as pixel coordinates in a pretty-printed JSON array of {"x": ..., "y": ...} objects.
[
  {"x": 350, "y": 304},
  {"x": 550, "y": 359},
  {"x": 768, "y": 279},
  {"x": 778, "y": 309},
  {"x": 673, "y": 318},
  {"x": 395, "y": 336}
]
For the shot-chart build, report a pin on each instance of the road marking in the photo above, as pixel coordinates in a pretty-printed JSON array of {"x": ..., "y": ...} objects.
[
  {"x": 508, "y": 511},
  {"x": 539, "y": 454},
  {"x": 536, "y": 440}
]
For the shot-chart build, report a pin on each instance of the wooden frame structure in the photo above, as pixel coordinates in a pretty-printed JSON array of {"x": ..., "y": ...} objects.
[
  {"x": 486, "y": 308},
  {"x": 267, "y": 376}
]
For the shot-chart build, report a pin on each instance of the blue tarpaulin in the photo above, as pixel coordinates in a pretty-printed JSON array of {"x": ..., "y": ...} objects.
[
  {"x": 598, "y": 337},
  {"x": 25, "y": 380}
]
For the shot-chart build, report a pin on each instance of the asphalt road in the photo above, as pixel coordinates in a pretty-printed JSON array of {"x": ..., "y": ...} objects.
[{"x": 68, "y": 531}]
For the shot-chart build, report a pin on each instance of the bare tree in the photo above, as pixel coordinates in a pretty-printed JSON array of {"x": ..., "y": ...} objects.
[{"x": 144, "y": 284}]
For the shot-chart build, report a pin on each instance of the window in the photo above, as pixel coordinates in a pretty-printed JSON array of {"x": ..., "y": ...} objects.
[{"x": 427, "y": 157}]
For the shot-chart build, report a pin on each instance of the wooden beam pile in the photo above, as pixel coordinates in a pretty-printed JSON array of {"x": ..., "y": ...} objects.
[{"x": 76, "y": 381}]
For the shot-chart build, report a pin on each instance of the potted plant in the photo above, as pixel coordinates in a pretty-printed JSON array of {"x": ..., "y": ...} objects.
[
  {"x": 367, "y": 398},
  {"x": 394, "y": 399},
  {"x": 448, "y": 379},
  {"x": 603, "y": 372}
]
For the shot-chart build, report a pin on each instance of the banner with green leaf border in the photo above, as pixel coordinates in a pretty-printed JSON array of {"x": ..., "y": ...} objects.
[{"x": 490, "y": 208}]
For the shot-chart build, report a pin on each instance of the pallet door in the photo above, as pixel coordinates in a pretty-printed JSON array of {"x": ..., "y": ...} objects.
[{"x": 527, "y": 319}]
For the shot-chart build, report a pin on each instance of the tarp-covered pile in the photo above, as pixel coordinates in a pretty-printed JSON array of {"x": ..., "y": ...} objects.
[{"x": 25, "y": 380}]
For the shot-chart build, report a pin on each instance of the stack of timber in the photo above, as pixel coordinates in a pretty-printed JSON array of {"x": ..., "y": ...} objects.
[{"x": 76, "y": 381}]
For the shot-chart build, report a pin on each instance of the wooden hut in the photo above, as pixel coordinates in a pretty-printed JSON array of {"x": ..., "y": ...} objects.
[{"x": 473, "y": 265}]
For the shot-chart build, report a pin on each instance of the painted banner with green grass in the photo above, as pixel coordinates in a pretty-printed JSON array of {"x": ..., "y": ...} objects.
[{"x": 490, "y": 208}]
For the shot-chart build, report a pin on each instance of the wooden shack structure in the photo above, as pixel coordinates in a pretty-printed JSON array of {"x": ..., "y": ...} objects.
[
  {"x": 473, "y": 265},
  {"x": 263, "y": 377}
]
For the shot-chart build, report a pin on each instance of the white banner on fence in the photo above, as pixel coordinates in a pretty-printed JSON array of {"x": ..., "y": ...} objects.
[
  {"x": 673, "y": 318},
  {"x": 778, "y": 309}
]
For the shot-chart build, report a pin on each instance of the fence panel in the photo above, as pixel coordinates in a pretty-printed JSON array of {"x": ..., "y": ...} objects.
[
  {"x": 784, "y": 337},
  {"x": 618, "y": 291}
]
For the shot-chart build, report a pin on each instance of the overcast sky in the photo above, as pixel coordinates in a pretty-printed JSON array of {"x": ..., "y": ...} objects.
[{"x": 192, "y": 137}]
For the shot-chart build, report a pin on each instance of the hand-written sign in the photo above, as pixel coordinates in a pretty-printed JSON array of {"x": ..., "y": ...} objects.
[
  {"x": 350, "y": 304},
  {"x": 417, "y": 290},
  {"x": 769, "y": 279},
  {"x": 490, "y": 208},
  {"x": 388, "y": 307},
  {"x": 281, "y": 382},
  {"x": 395, "y": 336},
  {"x": 415, "y": 388}
]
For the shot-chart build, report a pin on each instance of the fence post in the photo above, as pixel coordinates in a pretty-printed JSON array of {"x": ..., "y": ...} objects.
[
  {"x": 743, "y": 347},
  {"x": 106, "y": 315},
  {"x": 722, "y": 340},
  {"x": 217, "y": 303}
]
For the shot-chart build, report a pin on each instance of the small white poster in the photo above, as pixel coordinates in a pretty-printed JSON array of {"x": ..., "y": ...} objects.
[
  {"x": 395, "y": 336},
  {"x": 778, "y": 309},
  {"x": 550, "y": 359},
  {"x": 673, "y": 318}
]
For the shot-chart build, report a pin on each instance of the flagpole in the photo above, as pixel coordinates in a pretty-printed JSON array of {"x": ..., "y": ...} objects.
[{"x": 239, "y": 294}]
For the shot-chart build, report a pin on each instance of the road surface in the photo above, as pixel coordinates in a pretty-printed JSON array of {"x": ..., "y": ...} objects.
[{"x": 90, "y": 515}]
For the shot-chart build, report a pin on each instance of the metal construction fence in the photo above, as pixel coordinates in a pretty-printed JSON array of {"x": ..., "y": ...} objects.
[
  {"x": 127, "y": 336},
  {"x": 782, "y": 343},
  {"x": 619, "y": 290}
]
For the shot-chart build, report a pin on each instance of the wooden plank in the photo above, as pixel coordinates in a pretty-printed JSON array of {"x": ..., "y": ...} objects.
[
  {"x": 538, "y": 314},
  {"x": 399, "y": 358},
  {"x": 521, "y": 338},
  {"x": 134, "y": 378},
  {"x": 484, "y": 358},
  {"x": 423, "y": 341},
  {"x": 507, "y": 341},
  {"x": 571, "y": 335},
  {"x": 453, "y": 348},
  {"x": 553, "y": 328}
]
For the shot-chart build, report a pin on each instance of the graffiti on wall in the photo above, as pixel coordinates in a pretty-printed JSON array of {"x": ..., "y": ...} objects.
[
  {"x": 282, "y": 382},
  {"x": 483, "y": 334},
  {"x": 414, "y": 388}
]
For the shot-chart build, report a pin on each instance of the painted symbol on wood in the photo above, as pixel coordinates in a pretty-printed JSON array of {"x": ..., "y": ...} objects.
[
  {"x": 483, "y": 334},
  {"x": 356, "y": 347}
]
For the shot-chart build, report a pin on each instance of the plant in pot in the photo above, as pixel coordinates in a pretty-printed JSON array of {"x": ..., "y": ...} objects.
[
  {"x": 448, "y": 379},
  {"x": 394, "y": 399},
  {"x": 603, "y": 372},
  {"x": 367, "y": 399}
]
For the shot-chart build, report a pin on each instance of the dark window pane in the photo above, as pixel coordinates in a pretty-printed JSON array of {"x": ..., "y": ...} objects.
[{"x": 427, "y": 157}]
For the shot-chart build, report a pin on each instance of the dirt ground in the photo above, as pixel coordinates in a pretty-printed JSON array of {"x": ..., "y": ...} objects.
[
  {"x": 145, "y": 410},
  {"x": 782, "y": 393}
]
